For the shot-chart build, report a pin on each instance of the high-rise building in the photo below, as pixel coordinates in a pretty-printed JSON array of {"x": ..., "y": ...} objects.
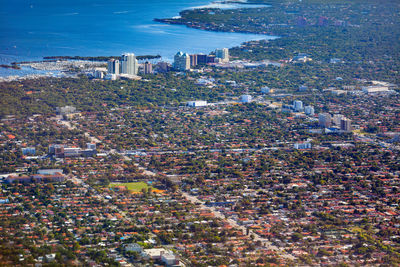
[
  {"x": 223, "y": 54},
  {"x": 298, "y": 105},
  {"x": 113, "y": 66},
  {"x": 161, "y": 67},
  {"x": 98, "y": 74},
  {"x": 210, "y": 59},
  {"x": 193, "y": 60},
  {"x": 148, "y": 68},
  {"x": 309, "y": 110},
  {"x": 57, "y": 150},
  {"x": 182, "y": 61},
  {"x": 129, "y": 64},
  {"x": 201, "y": 59},
  {"x": 345, "y": 125},
  {"x": 336, "y": 119},
  {"x": 325, "y": 119}
]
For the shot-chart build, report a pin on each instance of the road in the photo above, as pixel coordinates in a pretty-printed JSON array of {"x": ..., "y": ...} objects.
[
  {"x": 190, "y": 198},
  {"x": 234, "y": 224}
]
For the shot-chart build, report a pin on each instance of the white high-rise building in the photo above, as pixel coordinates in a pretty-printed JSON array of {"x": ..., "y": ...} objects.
[
  {"x": 223, "y": 54},
  {"x": 129, "y": 64},
  {"x": 113, "y": 66},
  {"x": 309, "y": 110},
  {"x": 182, "y": 61},
  {"x": 298, "y": 105}
]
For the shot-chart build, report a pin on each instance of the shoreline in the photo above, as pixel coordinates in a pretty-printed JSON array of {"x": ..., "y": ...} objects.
[
  {"x": 177, "y": 20},
  {"x": 22, "y": 66}
]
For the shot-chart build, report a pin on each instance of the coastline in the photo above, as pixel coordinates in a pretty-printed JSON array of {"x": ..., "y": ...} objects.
[
  {"x": 245, "y": 4},
  {"x": 22, "y": 69}
]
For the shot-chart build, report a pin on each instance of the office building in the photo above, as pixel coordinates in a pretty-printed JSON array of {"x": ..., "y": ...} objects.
[
  {"x": 201, "y": 59},
  {"x": 162, "y": 67},
  {"x": 309, "y": 110},
  {"x": 336, "y": 119},
  {"x": 56, "y": 150},
  {"x": 50, "y": 171},
  {"x": 28, "y": 151},
  {"x": 193, "y": 60},
  {"x": 223, "y": 54},
  {"x": 303, "y": 88},
  {"x": 148, "y": 68},
  {"x": 345, "y": 125},
  {"x": 129, "y": 64},
  {"x": 197, "y": 103},
  {"x": 111, "y": 77},
  {"x": 305, "y": 145},
  {"x": 98, "y": 74},
  {"x": 72, "y": 151},
  {"x": 325, "y": 120},
  {"x": 113, "y": 66},
  {"x": 210, "y": 59},
  {"x": 91, "y": 146},
  {"x": 298, "y": 105},
  {"x": 266, "y": 90},
  {"x": 182, "y": 61}
]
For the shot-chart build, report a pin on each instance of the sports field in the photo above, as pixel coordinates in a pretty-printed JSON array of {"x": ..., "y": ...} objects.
[{"x": 134, "y": 187}]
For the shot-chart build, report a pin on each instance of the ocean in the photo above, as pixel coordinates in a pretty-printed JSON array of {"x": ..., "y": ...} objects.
[{"x": 30, "y": 30}]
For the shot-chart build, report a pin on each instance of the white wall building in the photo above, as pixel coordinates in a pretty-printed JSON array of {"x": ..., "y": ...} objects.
[
  {"x": 266, "y": 90},
  {"x": 98, "y": 74},
  {"x": 245, "y": 98},
  {"x": 309, "y": 110},
  {"x": 169, "y": 259},
  {"x": 298, "y": 105},
  {"x": 223, "y": 54},
  {"x": 305, "y": 145},
  {"x": 182, "y": 61},
  {"x": 129, "y": 64},
  {"x": 113, "y": 66},
  {"x": 375, "y": 89},
  {"x": 197, "y": 103}
]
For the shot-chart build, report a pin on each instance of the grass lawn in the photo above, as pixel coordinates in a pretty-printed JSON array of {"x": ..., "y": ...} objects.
[{"x": 134, "y": 187}]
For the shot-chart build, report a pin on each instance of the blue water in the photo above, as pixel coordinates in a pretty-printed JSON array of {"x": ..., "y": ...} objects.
[{"x": 31, "y": 29}]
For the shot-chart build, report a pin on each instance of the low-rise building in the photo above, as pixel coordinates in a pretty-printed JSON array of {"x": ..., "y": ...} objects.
[
  {"x": 197, "y": 103},
  {"x": 245, "y": 98}
]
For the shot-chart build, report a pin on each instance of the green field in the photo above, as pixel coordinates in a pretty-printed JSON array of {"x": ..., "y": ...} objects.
[{"x": 134, "y": 187}]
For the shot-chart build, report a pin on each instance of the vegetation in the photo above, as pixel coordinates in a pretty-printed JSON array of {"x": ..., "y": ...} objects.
[
  {"x": 231, "y": 181},
  {"x": 363, "y": 34},
  {"x": 134, "y": 187}
]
